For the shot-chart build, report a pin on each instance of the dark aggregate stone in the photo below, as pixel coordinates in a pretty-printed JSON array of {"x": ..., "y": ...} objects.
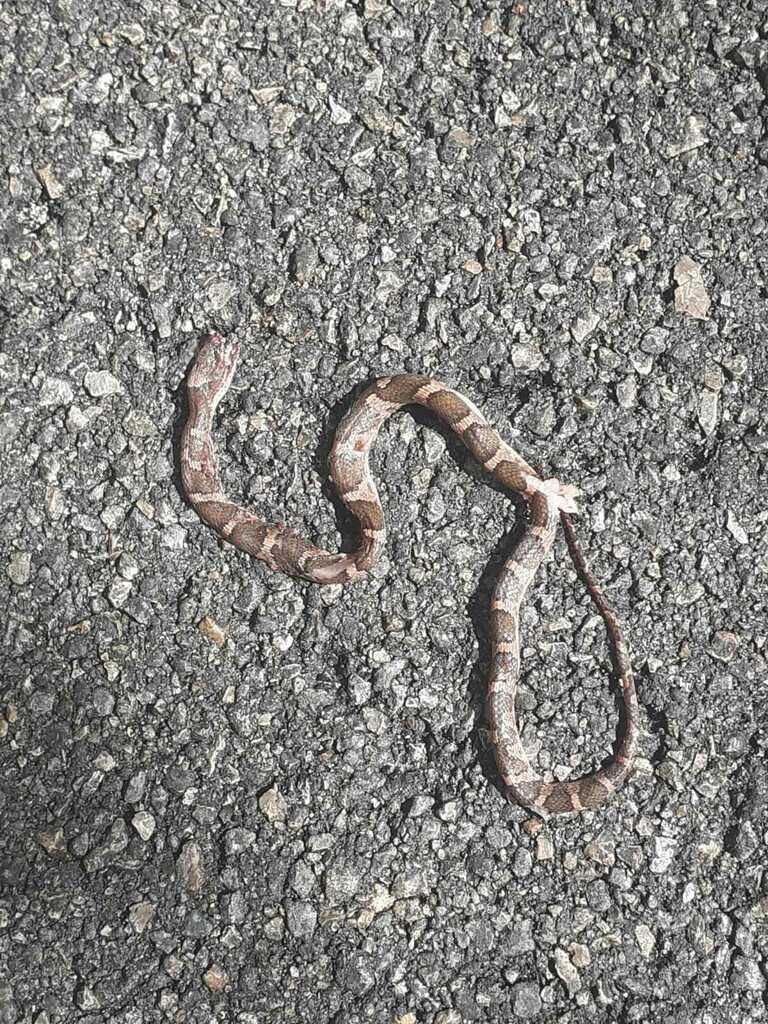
[{"x": 494, "y": 194}]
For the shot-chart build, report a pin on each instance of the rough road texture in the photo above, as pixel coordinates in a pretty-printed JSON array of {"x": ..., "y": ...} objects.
[{"x": 226, "y": 795}]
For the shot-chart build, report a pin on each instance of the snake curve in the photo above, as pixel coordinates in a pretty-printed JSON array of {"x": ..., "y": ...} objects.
[{"x": 284, "y": 550}]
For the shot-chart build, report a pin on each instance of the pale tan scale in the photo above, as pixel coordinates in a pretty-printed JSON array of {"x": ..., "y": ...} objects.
[
  {"x": 576, "y": 804},
  {"x": 270, "y": 539},
  {"x": 381, "y": 405},
  {"x": 493, "y": 462},
  {"x": 212, "y": 496},
  {"x": 239, "y": 517},
  {"x": 426, "y": 390},
  {"x": 365, "y": 492},
  {"x": 465, "y": 423}
]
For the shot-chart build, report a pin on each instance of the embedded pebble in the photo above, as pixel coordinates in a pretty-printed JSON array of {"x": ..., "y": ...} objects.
[
  {"x": 735, "y": 528},
  {"x": 567, "y": 972},
  {"x": 273, "y": 805},
  {"x": 664, "y": 852},
  {"x": 645, "y": 939},
  {"x": 20, "y": 567},
  {"x": 55, "y": 391},
  {"x": 144, "y": 823},
  {"x": 691, "y": 295},
  {"x": 101, "y": 383}
]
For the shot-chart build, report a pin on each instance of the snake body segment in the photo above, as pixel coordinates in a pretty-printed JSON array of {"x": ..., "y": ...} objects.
[{"x": 286, "y": 551}]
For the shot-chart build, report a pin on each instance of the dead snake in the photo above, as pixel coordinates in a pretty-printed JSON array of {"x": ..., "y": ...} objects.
[{"x": 286, "y": 551}]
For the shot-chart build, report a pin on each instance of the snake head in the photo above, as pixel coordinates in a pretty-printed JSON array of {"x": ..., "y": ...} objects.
[
  {"x": 214, "y": 365},
  {"x": 563, "y": 495}
]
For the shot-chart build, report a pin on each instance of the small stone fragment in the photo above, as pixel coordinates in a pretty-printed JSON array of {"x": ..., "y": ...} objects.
[
  {"x": 212, "y": 630},
  {"x": 526, "y": 1000},
  {"x": 708, "y": 403},
  {"x": 274, "y": 929},
  {"x": 449, "y": 810},
  {"x": 376, "y": 117},
  {"x": 283, "y": 117},
  {"x": 56, "y": 391},
  {"x": 86, "y": 999},
  {"x": 526, "y": 357},
  {"x": 267, "y": 95},
  {"x": 119, "y": 592},
  {"x": 189, "y": 867},
  {"x": 20, "y": 567},
  {"x": 49, "y": 181},
  {"x": 691, "y": 296},
  {"x": 585, "y": 325},
  {"x": 237, "y": 840},
  {"x": 53, "y": 842},
  {"x": 301, "y": 919},
  {"x": 100, "y": 383},
  {"x": 304, "y": 261},
  {"x": 713, "y": 377},
  {"x": 602, "y": 274},
  {"x": 339, "y": 115},
  {"x": 144, "y": 824},
  {"x": 272, "y": 805},
  {"x": 566, "y": 972},
  {"x": 693, "y": 138},
  {"x": 746, "y": 975},
  {"x": 135, "y": 787},
  {"x": 522, "y": 865},
  {"x": 664, "y": 851},
  {"x": 133, "y": 32},
  {"x": 219, "y": 294},
  {"x": 580, "y": 954},
  {"x": 601, "y": 852},
  {"x": 140, "y": 915},
  {"x": 461, "y": 137},
  {"x": 162, "y": 318},
  {"x": 645, "y": 939},
  {"x": 448, "y": 1017},
  {"x": 724, "y": 646},
  {"x": 736, "y": 530},
  {"x": 626, "y": 392},
  {"x": 137, "y": 423},
  {"x": 545, "y": 849},
  {"x": 216, "y": 978},
  {"x": 473, "y": 267}
]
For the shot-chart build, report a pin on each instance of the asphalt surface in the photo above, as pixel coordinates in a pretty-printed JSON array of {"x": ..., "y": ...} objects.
[{"x": 230, "y": 796}]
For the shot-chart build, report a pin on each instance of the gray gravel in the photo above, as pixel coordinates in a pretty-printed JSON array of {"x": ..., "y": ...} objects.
[{"x": 229, "y": 796}]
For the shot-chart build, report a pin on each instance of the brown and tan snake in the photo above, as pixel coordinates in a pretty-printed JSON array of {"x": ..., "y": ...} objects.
[{"x": 285, "y": 551}]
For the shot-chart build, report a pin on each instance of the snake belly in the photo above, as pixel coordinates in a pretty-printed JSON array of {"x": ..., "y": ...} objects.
[{"x": 284, "y": 550}]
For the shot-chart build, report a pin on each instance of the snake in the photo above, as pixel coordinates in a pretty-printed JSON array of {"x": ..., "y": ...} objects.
[{"x": 549, "y": 502}]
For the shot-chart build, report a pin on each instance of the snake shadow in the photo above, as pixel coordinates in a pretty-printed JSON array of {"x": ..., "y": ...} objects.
[{"x": 181, "y": 412}]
